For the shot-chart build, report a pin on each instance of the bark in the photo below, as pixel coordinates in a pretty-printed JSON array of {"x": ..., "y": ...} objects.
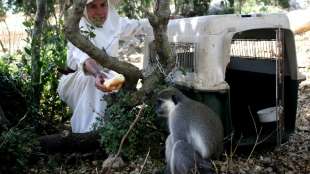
[
  {"x": 159, "y": 22},
  {"x": 70, "y": 142},
  {"x": 231, "y": 3},
  {"x": 72, "y": 32},
  {"x": 3, "y": 120},
  {"x": 35, "y": 51}
]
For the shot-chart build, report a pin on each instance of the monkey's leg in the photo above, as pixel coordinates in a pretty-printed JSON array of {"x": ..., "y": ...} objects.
[
  {"x": 169, "y": 145},
  {"x": 182, "y": 158},
  {"x": 185, "y": 160}
]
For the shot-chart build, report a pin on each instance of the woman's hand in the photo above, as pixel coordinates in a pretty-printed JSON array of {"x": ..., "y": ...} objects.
[
  {"x": 91, "y": 67},
  {"x": 99, "y": 82}
]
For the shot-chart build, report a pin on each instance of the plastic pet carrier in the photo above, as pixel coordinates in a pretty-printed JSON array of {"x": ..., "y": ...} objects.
[{"x": 243, "y": 67}]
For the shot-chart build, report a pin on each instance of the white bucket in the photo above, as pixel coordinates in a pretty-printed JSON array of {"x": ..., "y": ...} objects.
[{"x": 269, "y": 114}]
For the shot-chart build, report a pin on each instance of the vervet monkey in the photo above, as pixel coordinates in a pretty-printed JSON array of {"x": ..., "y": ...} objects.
[{"x": 196, "y": 132}]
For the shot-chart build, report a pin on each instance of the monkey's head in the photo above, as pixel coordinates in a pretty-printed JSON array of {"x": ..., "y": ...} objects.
[{"x": 167, "y": 100}]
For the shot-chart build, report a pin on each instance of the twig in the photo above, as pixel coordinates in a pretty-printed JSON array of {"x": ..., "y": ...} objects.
[
  {"x": 257, "y": 134},
  {"x": 60, "y": 172},
  {"x": 130, "y": 128},
  {"x": 253, "y": 119},
  {"x": 215, "y": 167},
  {"x": 10, "y": 131},
  {"x": 237, "y": 145},
  {"x": 64, "y": 5},
  {"x": 124, "y": 138},
  {"x": 147, "y": 155},
  {"x": 254, "y": 144},
  {"x": 266, "y": 137},
  {"x": 2, "y": 47},
  {"x": 228, "y": 162}
]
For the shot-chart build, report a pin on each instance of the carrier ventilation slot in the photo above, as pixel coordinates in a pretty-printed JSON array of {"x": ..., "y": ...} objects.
[
  {"x": 185, "y": 54},
  {"x": 255, "y": 48}
]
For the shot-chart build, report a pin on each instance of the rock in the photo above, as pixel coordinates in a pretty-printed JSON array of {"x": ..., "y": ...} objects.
[
  {"x": 266, "y": 160},
  {"x": 269, "y": 170},
  {"x": 136, "y": 171},
  {"x": 258, "y": 168},
  {"x": 117, "y": 163}
]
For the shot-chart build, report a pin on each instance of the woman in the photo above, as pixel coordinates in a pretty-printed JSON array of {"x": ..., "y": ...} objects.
[{"x": 83, "y": 90}]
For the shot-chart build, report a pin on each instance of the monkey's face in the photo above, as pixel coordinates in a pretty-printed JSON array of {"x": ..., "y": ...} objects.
[
  {"x": 164, "y": 107},
  {"x": 167, "y": 100}
]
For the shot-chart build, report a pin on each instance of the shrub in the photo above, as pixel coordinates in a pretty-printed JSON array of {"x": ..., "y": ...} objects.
[
  {"x": 16, "y": 148},
  {"x": 149, "y": 132}
]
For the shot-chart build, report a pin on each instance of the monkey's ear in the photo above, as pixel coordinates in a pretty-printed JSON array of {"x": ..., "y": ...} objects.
[{"x": 175, "y": 99}]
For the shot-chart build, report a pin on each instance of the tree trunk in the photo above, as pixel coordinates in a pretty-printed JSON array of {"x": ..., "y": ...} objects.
[
  {"x": 231, "y": 3},
  {"x": 70, "y": 142},
  {"x": 159, "y": 22},
  {"x": 35, "y": 52},
  {"x": 3, "y": 120}
]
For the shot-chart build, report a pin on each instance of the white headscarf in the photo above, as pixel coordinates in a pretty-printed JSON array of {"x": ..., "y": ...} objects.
[
  {"x": 107, "y": 34},
  {"x": 112, "y": 2},
  {"x": 85, "y": 15}
]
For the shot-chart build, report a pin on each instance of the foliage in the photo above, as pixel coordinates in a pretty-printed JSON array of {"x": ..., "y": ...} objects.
[
  {"x": 2, "y": 9},
  {"x": 261, "y": 6},
  {"x": 149, "y": 131},
  {"x": 192, "y": 7},
  {"x": 11, "y": 93},
  {"x": 16, "y": 148},
  {"x": 134, "y": 8},
  {"x": 28, "y": 7},
  {"x": 22, "y": 6},
  {"x": 284, "y": 3},
  {"x": 53, "y": 55}
]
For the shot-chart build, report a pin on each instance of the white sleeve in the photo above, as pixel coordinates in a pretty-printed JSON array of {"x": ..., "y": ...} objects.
[
  {"x": 75, "y": 57},
  {"x": 132, "y": 27}
]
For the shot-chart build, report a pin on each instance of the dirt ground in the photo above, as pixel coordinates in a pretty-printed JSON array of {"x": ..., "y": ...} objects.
[{"x": 294, "y": 155}]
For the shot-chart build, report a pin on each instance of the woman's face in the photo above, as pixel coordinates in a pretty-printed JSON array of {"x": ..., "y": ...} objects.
[{"x": 97, "y": 11}]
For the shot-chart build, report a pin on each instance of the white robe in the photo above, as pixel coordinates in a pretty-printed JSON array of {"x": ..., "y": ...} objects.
[{"x": 78, "y": 89}]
